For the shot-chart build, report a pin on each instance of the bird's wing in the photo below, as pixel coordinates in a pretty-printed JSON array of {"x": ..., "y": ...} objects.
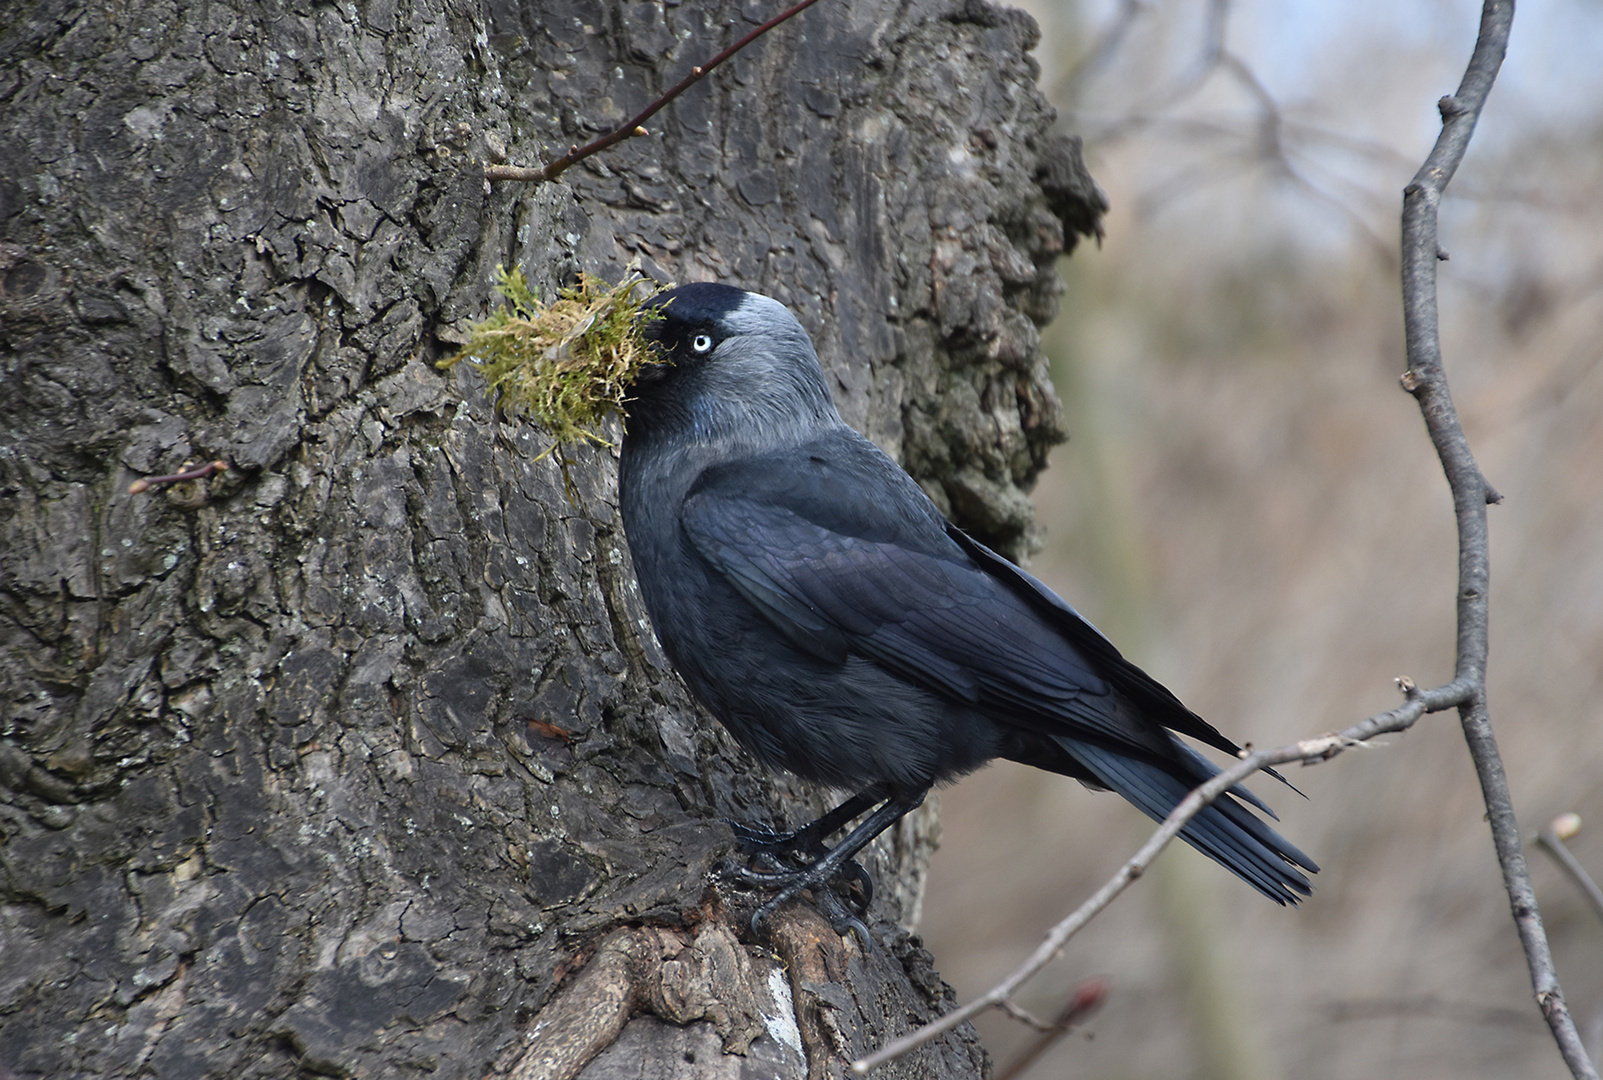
[
  {"x": 878, "y": 583},
  {"x": 1142, "y": 689}
]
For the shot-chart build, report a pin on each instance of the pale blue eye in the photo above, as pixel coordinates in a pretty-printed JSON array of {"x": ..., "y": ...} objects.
[{"x": 701, "y": 342}]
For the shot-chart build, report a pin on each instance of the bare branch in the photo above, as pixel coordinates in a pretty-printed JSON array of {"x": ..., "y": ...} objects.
[
  {"x": 1427, "y": 381},
  {"x": 1025, "y": 1016},
  {"x": 1308, "y": 751},
  {"x": 636, "y": 126},
  {"x": 1268, "y": 140}
]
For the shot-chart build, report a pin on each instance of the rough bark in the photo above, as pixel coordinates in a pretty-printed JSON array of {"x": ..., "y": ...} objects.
[{"x": 282, "y": 785}]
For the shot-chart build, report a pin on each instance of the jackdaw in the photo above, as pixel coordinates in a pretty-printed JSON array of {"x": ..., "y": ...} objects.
[{"x": 819, "y": 605}]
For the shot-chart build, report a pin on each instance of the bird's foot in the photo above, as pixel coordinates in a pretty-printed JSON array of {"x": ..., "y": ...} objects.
[
  {"x": 793, "y": 862},
  {"x": 774, "y": 876},
  {"x": 778, "y": 858},
  {"x": 831, "y": 904},
  {"x": 798, "y": 861}
]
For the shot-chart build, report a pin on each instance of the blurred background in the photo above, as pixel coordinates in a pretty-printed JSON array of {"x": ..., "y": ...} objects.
[{"x": 1250, "y": 507}]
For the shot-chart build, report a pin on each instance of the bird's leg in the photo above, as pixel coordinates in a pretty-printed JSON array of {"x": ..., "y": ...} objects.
[
  {"x": 782, "y": 853},
  {"x": 821, "y": 872},
  {"x": 806, "y": 842}
]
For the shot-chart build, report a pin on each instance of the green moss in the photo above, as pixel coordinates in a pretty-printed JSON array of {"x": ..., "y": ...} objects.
[{"x": 566, "y": 364}]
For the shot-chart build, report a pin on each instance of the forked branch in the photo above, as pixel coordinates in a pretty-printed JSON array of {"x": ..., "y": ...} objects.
[
  {"x": 1308, "y": 751},
  {"x": 1427, "y": 381}
]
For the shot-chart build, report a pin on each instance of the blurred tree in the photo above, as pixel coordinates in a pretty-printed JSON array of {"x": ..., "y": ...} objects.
[{"x": 1229, "y": 361}]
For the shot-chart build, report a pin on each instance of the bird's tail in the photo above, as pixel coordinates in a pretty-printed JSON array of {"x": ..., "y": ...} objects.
[{"x": 1225, "y": 831}]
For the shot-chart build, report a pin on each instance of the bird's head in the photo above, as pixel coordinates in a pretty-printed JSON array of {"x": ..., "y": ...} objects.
[{"x": 733, "y": 364}]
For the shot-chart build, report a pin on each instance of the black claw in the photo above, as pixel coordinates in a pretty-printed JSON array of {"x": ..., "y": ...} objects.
[
  {"x": 864, "y": 882},
  {"x": 759, "y": 917},
  {"x": 842, "y": 919}
]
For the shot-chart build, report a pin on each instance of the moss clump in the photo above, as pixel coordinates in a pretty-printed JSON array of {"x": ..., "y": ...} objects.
[{"x": 566, "y": 364}]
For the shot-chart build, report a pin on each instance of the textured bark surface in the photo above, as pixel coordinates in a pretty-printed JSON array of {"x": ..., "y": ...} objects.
[{"x": 349, "y": 761}]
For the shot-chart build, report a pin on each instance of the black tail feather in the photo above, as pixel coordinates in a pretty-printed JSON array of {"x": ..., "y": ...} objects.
[{"x": 1225, "y": 831}]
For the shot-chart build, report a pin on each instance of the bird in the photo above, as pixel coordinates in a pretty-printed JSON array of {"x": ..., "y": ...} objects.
[{"x": 817, "y": 603}]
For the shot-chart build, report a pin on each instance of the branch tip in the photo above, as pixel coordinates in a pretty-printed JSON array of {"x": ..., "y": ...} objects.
[
  {"x": 1088, "y": 995},
  {"x": 1566, "y": 825}
]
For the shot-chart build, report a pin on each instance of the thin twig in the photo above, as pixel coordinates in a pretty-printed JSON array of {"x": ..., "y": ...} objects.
[
  {"x": 1427, "y": 381},
  {"x": 139, "y": 487},
  {"x": 1086, "y": 999},
  {"x": 1552, "y": 840},
  {"x": 1024, "y": 1016},
  {"x": 1308, "y": 751},
  {"x": 635, "y": 127}
]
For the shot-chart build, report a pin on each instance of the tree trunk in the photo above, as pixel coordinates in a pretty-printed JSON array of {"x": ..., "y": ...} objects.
[{"x": 359, "y": 758}]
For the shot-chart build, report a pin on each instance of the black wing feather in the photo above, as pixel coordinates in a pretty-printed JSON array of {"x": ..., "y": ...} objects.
[{"x": 945, "y": 625}]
